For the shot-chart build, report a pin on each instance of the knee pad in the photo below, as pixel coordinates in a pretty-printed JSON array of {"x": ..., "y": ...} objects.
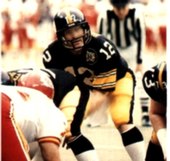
[{"x": 131, "y": 136}]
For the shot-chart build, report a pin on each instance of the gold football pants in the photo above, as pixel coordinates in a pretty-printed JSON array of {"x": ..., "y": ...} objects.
[{"x": 119, "y": 102}]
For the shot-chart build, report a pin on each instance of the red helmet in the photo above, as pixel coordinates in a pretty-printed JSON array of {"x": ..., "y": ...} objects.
[{"x": 38, "y": 80}]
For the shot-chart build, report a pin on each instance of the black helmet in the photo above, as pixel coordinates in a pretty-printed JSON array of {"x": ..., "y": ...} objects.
[
  {"x": 5, "y": 78},
  {"x": 119, "y": 3},
  {"x": 70, "y": 17}
]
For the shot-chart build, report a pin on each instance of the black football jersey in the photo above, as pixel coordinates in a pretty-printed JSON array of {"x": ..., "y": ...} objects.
[
  {"x": 63, "y": 81},
  {"x": 155, "y": 83},
  {"x": 99, "y": 65}
]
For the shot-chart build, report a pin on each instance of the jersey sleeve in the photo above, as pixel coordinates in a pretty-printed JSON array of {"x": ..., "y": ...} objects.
[
  {"x": 102, "y": 24},
  {"x": 63, "y": 83}
]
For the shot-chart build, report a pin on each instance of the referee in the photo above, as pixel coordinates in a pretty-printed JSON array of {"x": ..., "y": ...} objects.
[{"x": 125, "y": 26}]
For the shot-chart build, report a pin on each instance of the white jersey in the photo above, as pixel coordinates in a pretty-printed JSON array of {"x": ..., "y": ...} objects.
[{"x": 35, "y": 113}]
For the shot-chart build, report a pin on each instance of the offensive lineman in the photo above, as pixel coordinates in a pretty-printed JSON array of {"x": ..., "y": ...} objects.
[
  {"x": 24, "y": 120},
  {"x": 96, "y": 63},
  {"x": 155, "y": 84},
  {"x": 66, "y": 96}
]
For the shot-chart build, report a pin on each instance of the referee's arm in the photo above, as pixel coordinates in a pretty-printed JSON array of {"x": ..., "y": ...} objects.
[
  {"x": 141, "y": 35},
  {"x": 102, "y": 25}
]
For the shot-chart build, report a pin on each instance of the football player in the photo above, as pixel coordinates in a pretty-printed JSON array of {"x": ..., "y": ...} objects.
[
  {"x": 25, "y": 120},
  {"x": 98, "y": 67},
  {"x": 66, "y": 96},
  {"x": 155, "y": 84}
]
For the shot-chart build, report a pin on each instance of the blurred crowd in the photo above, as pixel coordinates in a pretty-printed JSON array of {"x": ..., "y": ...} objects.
[{"x": 28, "y": 24}]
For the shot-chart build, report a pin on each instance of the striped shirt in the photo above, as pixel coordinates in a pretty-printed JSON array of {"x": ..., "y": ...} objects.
[{"x": 124, "y": 33}]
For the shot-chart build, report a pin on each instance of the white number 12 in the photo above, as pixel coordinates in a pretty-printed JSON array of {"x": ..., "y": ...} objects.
[{"x": 110, "y": 48}]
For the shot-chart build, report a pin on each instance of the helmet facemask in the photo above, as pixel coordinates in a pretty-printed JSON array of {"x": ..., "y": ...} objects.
[{"x": 71, "y": 44}]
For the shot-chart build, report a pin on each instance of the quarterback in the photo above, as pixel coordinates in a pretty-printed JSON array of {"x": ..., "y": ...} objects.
[{"x": 98, "y": 68}]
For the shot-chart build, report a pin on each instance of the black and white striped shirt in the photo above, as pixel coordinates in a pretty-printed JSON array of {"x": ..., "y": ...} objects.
[{"x": 124, "y": 33}]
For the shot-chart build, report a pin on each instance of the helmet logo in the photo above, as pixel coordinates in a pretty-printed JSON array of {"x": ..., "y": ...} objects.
[
  {"x": 69, "y": 18},
  {"x": 14, "y": 76}
]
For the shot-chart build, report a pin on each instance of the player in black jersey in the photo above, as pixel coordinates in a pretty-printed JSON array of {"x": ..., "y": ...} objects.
[
  {"x": 97, "y": 65},
  {"x": 155, "y": 84}
]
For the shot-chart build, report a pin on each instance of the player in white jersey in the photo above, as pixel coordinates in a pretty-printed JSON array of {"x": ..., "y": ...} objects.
[{"x": 27, "y": 116}]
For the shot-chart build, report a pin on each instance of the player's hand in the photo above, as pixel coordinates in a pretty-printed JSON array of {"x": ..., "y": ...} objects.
[{"x": 65, "y": 143}]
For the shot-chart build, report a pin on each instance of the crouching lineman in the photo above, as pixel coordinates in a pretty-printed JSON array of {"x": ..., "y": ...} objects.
[
  {"x": 67, "y": 97},
  {"x": 155, "y": 84},
  {"x": 27, "y": 116}
]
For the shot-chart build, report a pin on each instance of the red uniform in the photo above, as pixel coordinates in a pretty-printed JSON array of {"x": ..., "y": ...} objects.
[
  {"x": 24, "y": 120},
  {"x": 10, "y": 134}
]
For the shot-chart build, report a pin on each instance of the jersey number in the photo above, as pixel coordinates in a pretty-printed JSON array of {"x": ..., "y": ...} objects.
[
  {"x": 47, "y": 56},
  {"x": 110, "y": 49}
]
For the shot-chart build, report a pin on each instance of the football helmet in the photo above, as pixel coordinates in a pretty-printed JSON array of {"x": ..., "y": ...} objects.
[
  {"x": 38, "y": 80},
  {"x": 67, "y": 18}
]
